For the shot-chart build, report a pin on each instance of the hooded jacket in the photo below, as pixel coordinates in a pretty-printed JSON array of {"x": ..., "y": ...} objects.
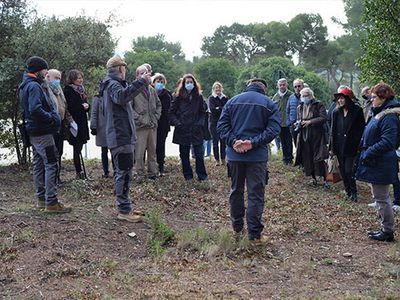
[
  {"x": 377, "y": 162},
  {"x": 40, "y": 112}
]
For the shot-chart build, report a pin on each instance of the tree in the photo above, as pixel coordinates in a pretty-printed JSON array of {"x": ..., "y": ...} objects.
[
  {"x": 80, "y": 42},
  {"x": 209, "y": 70},
  {"x": 381, "y": 60},
  {"x": 236, "y": 43},
  {"x": 306, "y": 33},
  {"x": 158, "y": 43},
  {"x": 274, "y": 68}
]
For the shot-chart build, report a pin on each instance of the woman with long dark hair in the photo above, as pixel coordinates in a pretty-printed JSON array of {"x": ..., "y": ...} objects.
[{"x": 187, "y": 113}]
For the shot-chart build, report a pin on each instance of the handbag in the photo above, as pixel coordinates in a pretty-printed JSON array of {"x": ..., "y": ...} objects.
[
  {"x": 24, "y": 135},
  {"x": 333, "y": 169}
]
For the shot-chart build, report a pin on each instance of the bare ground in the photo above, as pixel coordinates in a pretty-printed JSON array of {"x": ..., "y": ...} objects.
[{"x": 318, "y": 245}]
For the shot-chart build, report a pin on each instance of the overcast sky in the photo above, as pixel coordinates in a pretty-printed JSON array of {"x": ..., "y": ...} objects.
[{"x": 188, "y": 21}]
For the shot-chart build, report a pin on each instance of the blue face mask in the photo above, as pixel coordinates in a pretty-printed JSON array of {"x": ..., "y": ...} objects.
[
  {"x": 189, "y": 86},
  {"x": 55, "y": 84},
  {"x": 159, "y": 86},
  {"x": 305, "y": 100}
]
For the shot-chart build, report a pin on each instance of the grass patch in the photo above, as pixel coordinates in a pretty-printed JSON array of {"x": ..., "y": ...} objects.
[{"x": 160, "y": 235}]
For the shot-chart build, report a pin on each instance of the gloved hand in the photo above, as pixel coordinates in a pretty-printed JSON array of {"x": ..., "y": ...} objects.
[{"x": 93, "y": 131}]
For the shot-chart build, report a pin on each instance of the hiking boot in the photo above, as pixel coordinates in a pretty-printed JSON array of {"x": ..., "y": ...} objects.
[
  {"x": 262, "y": 240},
  {"x": 57, "y": 207},
  {"x": 132, "y": 217},
  {"x": 382, "y": 236},
  {"x": 41, "y": 203}
]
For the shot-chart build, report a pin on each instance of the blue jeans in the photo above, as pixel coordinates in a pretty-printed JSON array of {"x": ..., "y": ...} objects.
[
  {"x": 184, "y": 152},
  {"x": 207, "y": 147},
  {"x": 45, "y": 167}
]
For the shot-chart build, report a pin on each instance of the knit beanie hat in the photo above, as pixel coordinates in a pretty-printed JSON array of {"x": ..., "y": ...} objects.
[{"x": 35, "y": 64}]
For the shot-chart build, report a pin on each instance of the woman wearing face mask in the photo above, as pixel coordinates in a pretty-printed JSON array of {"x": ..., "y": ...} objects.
[
  {"x": 78, "y": 107},
  {"x": 311, "y": 150},
  {"x": 347, "y": 128},
  {"x": 378, "y": 163},
  {"x": 187, "y": 113},
  {"x": 159, "y": 81},
  {"x": 217, "y": 102}
]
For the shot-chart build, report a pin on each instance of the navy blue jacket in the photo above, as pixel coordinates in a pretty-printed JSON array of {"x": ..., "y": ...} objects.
[
  {"x": 40, "y": 112},
  {"x": 291, "y": 109},
  {"x": 249, "y": 115},
  {"x": 378, "y": 161}
]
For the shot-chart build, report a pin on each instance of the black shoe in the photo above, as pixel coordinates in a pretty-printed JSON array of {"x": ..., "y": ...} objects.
[
  {"x": 373, "y": 232},
  {"x": 353, "y": 197},
  {"x": 382, "y": 236}
]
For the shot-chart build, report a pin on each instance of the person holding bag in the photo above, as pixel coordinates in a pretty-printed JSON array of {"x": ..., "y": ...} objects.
[{"x": 347, "y": 128}]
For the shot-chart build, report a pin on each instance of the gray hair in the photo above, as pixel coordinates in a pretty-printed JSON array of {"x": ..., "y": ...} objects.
[
  {"x": 282, "y": 80},
  {"x": 308, "y": 91},
  {"x": 299, "y": 80}
]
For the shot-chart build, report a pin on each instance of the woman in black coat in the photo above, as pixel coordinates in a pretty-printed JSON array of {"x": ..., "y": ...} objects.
[
  {"x": 217, "y": 102},
  {"x": 78, "y": 107},
  {"x": 187, "y": 113},
  {"x": 159, "y": 81},
  {"x": 347, "y": 128}
]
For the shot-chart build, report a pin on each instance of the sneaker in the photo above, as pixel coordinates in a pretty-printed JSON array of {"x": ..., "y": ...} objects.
[
  {"x": 41, "y": 203},
  {"x": 373, "y": 205},
  {"x": 313, "y": 182},
  {"x": 326, "y": 185},
  {"x": 382, "y": 236},
  {"x": 262, "y": 240},
  {"x": 396, "y": 208},
  {"x": 132, "y": 217},
  {"x": 57, "y": 207}
]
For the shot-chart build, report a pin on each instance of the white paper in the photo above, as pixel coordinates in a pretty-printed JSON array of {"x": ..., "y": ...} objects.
[{"x": 74, "y": 129}]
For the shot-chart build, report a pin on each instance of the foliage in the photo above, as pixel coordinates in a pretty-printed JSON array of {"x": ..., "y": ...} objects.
[
  {"x": 209, "y": 70},
  {"x": 159, "y": 44},
  {"x": 306, "y": 33},
  {"x": 381, "y": 60},
  {"x": 274, "y": 68}
]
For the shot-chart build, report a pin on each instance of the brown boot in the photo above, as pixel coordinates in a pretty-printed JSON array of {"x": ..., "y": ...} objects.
[
  {"x": 57, "y": 207},
  {"x": 132, "y": 217}
]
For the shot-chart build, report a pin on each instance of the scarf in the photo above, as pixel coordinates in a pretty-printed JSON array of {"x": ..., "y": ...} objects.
[
  {"x": 282, "y": 94},
  {"x": 80, "y": 90}
]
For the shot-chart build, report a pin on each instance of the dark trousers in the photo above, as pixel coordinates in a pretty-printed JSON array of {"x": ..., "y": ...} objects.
[
  {"x": 254, "y": 174},
  {"x": 346, "y": 167},
  {"x": 294, "y": 134},
  {"x": 396, "y": 192},
  {"x": 287, "y": 144},
  {"x": 184, "y": 151},
  {"x": 218, "y": 144},
  {"x": 59, "y": 142},
  {"x": 77, "y": 157},
  {"x": 160, "y": 149}
]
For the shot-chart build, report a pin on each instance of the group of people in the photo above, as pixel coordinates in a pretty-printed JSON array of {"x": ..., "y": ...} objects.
[
  {"x": 363, "y": 136},
  {"x": 132, "y": 121}
]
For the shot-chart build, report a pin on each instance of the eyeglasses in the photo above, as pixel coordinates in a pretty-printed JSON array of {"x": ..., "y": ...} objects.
[{"x": 297, "y": 86}]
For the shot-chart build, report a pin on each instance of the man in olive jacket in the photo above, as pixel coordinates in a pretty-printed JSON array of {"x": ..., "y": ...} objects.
[{"x": 146, "y": 113}]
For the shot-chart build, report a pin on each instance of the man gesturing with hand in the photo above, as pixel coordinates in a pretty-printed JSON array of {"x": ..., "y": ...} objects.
[{"x": 249, "y": 121}]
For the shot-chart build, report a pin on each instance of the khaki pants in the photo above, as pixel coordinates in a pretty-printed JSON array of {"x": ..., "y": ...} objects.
[
  {"x": 380, "y": 193},
  {"x": 146, "y": 142}
]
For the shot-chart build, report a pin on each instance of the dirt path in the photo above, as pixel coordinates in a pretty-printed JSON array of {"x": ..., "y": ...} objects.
[{"x": 185, "y": 250}]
